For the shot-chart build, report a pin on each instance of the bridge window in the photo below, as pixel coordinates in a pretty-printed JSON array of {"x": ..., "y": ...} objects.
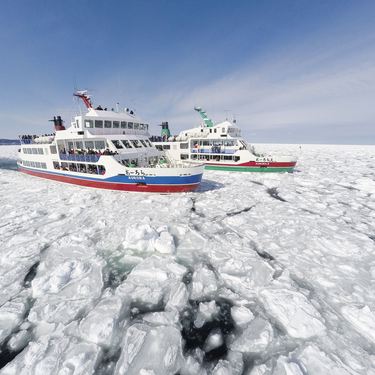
[
  {"x": 143, "y": 143},
  {"x": 123, "y": 124},
  {"x": 107, "y": 124},
  {"x": 141, "y": 126},
  {"x": 130, "y": 125},
  {"x": 116, "y": 124},
  {"x": 88, "y": 124},
  {"x": 236, "y": 158},
  {"x": 117, "y": 144},
  {"x": 53, "y": 150},
  {"x": 136, "y": 144},
  {"x": 184, "y": 145},
  {"x": 149, "y": 143},
  {"x": 98, "y": 123}
]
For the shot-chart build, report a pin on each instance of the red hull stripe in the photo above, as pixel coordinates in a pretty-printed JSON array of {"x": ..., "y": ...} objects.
[
  {"x": 112, "y": 185},
  {"x": 259, "y": 164}
]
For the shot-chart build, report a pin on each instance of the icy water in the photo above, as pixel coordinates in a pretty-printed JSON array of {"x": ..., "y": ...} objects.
[{"x": 255, "y": 274}]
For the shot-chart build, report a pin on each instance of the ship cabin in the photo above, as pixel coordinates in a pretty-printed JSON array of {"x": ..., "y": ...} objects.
[
  {"x": 219, "y": 143},
  {"x": 107, "y": 133},
  {"x": 92, "y": 139}
]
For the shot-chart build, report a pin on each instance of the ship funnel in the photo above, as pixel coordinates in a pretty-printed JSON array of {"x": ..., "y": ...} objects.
[
  {"x": 165, "y": 132},
  {"x": 58, "y": 123}
]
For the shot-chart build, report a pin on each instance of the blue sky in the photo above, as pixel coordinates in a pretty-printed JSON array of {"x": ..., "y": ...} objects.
[{"x": 297, "y": 71}]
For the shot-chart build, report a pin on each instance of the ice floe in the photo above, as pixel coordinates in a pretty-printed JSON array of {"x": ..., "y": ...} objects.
[{"x": 254, "y": 274}]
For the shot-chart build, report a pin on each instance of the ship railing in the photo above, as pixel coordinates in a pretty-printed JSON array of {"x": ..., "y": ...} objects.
[
  {"x": 212, "y": 151},
  {"x": 174, "y": 165},
  {"x": 36, "y": 140},
  {"x": 77, "y": 157}
]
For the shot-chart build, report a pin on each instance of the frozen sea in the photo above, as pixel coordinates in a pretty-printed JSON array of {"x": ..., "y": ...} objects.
[{"x": 254, "y": 274}]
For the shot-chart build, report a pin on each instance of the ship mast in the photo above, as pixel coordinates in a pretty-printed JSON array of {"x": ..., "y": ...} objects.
[
  {"x": 207, "y": 121},
  {"x": 85, "y": 98}
]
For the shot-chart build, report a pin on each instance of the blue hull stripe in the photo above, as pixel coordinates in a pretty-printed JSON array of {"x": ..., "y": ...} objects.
[{"x": 149, "y": 180}]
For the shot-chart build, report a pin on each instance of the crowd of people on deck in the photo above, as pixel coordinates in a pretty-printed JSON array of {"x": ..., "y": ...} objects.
[
  {"x": 82, "y": 168},
  {"x": 164, "y": 138},
  {"x": 88, "y": 152},
  {"x": 27, "y": 138}
]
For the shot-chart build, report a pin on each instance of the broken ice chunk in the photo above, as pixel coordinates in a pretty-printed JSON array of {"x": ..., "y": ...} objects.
[
  {"x": 286, "y": 367},
  {"x": 214, "y": 340},
  {"x": 11, "y": 315},
  {"x": 362, "y": 319},
  {"x": 316, "y": 362},
  {"x": 157, "y": 350},
  {"x": 293, "y": 311},
  {"x": 55, "y": 356},
  {"x": 177, "y": 297},
  {"x": 255, "y": 338},
  {"x": 165, "y": 243},
  {"x": 203, "y": 283},
  {"x": 206, "y": 312},
  {"x": 145, "y": 238},
  {"x": 150, "y": 284},
  {"x": 241, "y": 315},
  {"x": 99, "y": 324}
]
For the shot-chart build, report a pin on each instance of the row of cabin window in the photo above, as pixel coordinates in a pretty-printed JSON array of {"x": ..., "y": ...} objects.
[
  {"x": 210, "y": 157},
  {"x": 33, "y": 150},
  {"x": 212, "y": 142},
  {"x": 119, "y": 144},
  {"x": 153, "y": 160},
  {"x": 81, "y": 168},
  {"x": 194, "y": 143},
  {"x": 34, "y": 164},
  {"x": 80, "y": 145},
  {"x": 99, "y": 124}
]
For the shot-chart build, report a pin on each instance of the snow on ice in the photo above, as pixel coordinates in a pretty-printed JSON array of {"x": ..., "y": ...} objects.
[{"x": 255, "y": 274}]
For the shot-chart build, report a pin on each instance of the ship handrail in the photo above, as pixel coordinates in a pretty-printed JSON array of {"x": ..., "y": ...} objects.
[
  {"x": 210, "y": 151},
  {"x": 91, "y": 158},
  {"x": 36, "y": 139}
]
